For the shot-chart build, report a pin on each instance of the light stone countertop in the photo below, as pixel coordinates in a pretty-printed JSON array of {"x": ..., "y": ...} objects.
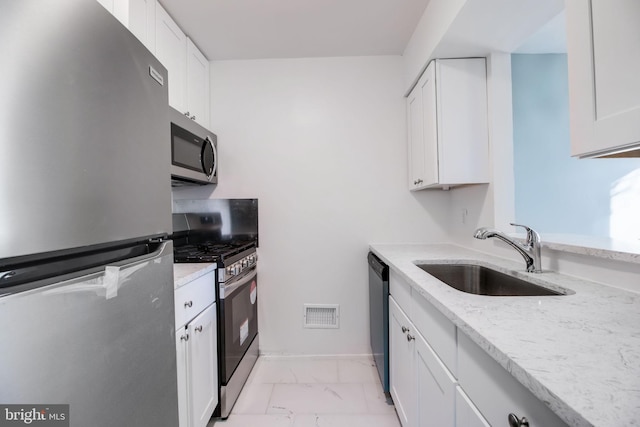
[
  {"x": 600, "y": 247},
  {"x": 184, "y": 273},
  {"x": 578, "y": 353}
]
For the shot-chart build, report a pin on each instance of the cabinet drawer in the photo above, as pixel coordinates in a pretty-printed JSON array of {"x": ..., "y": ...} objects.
[
  {"x": 194, "y": 297},
  {"x": 400, "y": 290},
  {"x": 495, "y": 392},
  {"x": 439, "y": 331},
  {"x": 467, "y": 415},
  {"x": 435, "y": 389}
]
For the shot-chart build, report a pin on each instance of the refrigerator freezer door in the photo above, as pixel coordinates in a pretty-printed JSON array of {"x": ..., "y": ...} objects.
[
  {"x": 102, "y": 343},
  {"x": 84, "y": 130}
]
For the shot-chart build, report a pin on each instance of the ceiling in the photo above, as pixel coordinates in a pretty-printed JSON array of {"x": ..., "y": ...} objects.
[
  {"x": 485, "y": 26},
  {"x": 255, "y": 29},
  {"x": 550, "y": 38}
]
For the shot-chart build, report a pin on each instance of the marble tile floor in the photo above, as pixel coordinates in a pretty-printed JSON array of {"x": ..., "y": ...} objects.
[{"x": 312, "y": 392}]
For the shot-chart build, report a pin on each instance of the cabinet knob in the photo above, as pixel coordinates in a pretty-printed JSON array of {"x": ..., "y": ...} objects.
[
  {"x": 188, "y": 304},
  {"x": 192, "y": 117},
  {"x": 186, "y": 113},
  {"x": 514, "y": 421},
  {"x": 198, "y": 328},
  {"x": 417, "y": 181},
  {"x": 410, "y": 337},
  {"x": 184, "y": 337},
  {"x": 405, "y": 329}
]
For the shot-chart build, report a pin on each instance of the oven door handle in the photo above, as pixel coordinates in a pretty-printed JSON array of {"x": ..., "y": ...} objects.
[{"x": 229, "y": 290}]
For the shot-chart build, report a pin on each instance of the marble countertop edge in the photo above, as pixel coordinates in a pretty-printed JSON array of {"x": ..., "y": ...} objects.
[{"x": 184, "y": 273}]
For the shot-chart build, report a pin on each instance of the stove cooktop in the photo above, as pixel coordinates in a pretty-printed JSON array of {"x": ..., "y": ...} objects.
[{"x": 208, "y": 251}]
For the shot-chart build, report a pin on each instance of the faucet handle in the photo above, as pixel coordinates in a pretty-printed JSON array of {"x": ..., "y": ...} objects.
[{"x": 532, "y": 235}]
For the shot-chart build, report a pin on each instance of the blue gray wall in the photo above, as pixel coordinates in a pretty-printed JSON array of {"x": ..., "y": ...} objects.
[{"x": 555, "y": 193}]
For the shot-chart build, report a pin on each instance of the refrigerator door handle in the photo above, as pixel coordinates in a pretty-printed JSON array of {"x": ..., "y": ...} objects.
[
  {"x": 111, "y": 265},
  {"x": 164, "y": 248}
]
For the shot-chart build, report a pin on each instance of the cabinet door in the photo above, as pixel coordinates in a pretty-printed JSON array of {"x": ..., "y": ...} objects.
[
  {"x": 415, "y": 129},
  {"x": 171, "y": 50},
  {"x": 197, "y": 84},
  {"x": 108, "y": 4},
  {"x": 182, "y": 338},
  {"x": 435, "y": 388},
  {"x": 141, "y": 21},
  {"x": 462, "y": 126},
  {"x": 401, "y": 372},
  {"x": 203, "y": 367},
  {"x": 467, "y": 415},
  {"x": 495, "y": 392},
  {"x": 430, "y": 120},
  {"x": 604, "y": 65},
  {"x": 422, "y": 132}
]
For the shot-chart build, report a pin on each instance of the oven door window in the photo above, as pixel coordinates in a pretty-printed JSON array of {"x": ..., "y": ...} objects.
[{"x": 240, "y": 323}]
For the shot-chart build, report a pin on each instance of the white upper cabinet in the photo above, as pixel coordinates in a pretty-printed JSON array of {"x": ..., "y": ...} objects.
[
  {"x": 423, "y": 135},
  {"x": 171, "y": 50},
  {"x": 140, "y": 17},
  {"x": 447, "y": 125},
  {"x": 108, "y": 4},
  {"x": 604, "y": 64},
  {"x": 137, "y": 15},
  {"x": 188, "y": 69},
  {"x": 197, "y": 85}
]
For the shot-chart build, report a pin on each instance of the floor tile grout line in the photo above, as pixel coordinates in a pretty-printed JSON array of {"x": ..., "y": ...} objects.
[{"x": 269, "y": 400}]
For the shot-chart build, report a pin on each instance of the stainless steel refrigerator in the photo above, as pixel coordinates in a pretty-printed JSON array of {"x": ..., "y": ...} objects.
[{"x": 86, "y": 275}]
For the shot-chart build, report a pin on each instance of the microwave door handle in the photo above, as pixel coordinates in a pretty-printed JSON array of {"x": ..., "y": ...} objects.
[
  {"x": 208, "y": 143},
  {"x": 215, "y": 156},
  {"x": 235, "y": 287}
]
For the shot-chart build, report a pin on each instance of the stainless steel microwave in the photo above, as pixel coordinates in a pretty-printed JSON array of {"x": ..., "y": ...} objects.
[{"x": 194, "y": 155}]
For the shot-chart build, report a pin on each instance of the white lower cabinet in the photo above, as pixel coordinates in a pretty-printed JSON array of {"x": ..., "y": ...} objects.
[
  {"x": 467, "y": 415},
  {"x": 401, "y": 364},
  {"x": 435, "y": 388},
  {"x": 495, "y": 392},
  {"x": 197, "y": 354},
  {"x": 202, "y": 367},
  {"x": 422, "y": 388},
  {"x": 439, "y": 377}
]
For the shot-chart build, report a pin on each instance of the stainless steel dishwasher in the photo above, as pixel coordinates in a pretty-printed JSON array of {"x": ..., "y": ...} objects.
[{"x": 379, "y": 317}]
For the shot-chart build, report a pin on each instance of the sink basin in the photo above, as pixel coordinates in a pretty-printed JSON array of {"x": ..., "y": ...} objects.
[{"x": 479, "y": 280}]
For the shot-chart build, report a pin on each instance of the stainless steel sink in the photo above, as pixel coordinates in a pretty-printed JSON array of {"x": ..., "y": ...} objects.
[{"x": 479, "y": 280}]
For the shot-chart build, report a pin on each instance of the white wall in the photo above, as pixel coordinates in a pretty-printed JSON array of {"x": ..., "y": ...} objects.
[{"x": 322, "y": 144}]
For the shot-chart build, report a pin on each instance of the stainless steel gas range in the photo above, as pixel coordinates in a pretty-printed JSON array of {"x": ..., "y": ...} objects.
[{"x": 197, "y": 239}]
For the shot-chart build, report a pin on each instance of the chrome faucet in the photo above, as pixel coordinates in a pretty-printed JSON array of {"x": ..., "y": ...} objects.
[{"x": 530, "y": 251}]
